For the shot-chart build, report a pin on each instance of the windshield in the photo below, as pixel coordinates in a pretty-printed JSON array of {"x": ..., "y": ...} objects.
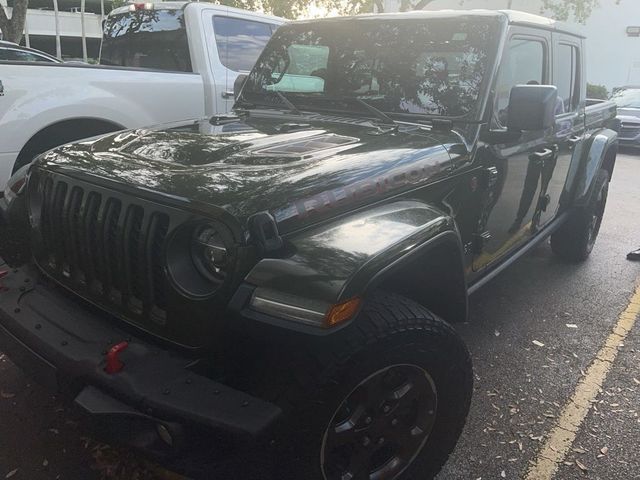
[
  {"x": 628, "y": 98},
  {"x": 428, "y": 67},
  {"x": 146, "y": 39}
]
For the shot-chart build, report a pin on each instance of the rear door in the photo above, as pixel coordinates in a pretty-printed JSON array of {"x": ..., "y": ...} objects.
[
  {"x": 568, "y": 68},
  {"x": 235, "y": 40}
]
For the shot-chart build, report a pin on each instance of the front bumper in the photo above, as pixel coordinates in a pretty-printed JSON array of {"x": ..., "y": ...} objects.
[
  {"x": 629, "y": 142},
  {"x": 62, "y": 344}
]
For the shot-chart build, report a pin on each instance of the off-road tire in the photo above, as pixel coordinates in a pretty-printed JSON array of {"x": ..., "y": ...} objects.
[
  {"x": 390, "y": 330},
  {"x": 574, "y": 241}
]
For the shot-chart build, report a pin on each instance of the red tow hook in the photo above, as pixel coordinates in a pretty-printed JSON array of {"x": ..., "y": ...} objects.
[{"x": 114, "y": 364}]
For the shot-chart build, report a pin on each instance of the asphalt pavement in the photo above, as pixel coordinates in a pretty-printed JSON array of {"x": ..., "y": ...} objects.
[{"x": 534, "y": 332}]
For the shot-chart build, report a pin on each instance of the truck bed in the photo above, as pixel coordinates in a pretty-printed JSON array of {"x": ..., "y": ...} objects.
[
  {"x": 599, "y": 113},
  {"x": 123, "y": 97}
]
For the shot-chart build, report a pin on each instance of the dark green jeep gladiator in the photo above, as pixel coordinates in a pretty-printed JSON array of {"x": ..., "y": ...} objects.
[{"x": 283, "y": 282}]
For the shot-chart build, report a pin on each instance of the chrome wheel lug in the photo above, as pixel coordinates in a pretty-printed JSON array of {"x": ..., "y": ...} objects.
[
  {"x": 381, "y": 441},
  {"x": 366, "y": 441},
  {"x": 394, "y": 422},
  {"x": 368, "y": 420},
  {"x": 386, "y": 409}
]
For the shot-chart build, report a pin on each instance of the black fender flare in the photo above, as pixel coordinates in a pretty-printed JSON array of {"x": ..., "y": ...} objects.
[
  {"x": 600, "y": 152},
  {"x": 353, "y": 255}
]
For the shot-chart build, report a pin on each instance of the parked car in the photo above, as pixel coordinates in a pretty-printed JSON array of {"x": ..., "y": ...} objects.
[
  {"x": 12, "y": 52},
  {"x": 628, "y": 101},
  {"x": 289, "y": 278},
  {"x": 161, "y": 62}
]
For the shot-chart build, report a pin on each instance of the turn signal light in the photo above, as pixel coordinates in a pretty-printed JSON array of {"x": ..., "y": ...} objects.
[{"x": 342, "y": 312}]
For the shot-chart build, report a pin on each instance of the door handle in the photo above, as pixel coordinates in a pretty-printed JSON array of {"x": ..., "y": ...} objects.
[
  {"x": 228, "y": 94},
  {"x": 573, "y": 141},
  {"x": 542, "y": 155}
]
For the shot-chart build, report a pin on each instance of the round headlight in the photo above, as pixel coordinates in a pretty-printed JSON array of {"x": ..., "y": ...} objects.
[
  {"x": 200, "y": 257},
  {"x": 209, "y": 253}
]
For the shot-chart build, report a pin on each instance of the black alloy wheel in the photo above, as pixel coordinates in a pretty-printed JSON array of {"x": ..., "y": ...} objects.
[{"x": 381, "y": 426}]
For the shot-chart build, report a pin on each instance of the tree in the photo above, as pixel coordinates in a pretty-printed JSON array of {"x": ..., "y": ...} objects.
[
  {"x": 580, "y": 10},
  {"x": 597, "y": 91},
  {"x": 12, "y": 27}
]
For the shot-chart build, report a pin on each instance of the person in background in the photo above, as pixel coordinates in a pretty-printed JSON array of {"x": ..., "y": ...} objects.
[{"x": 635, "y": 255}]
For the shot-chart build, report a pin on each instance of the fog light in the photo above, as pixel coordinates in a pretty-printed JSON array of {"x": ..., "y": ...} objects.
[{"x": 164, "y": 434}]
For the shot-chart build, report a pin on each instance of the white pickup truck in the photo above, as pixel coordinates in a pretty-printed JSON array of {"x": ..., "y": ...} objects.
[{"x": 160, "y": 62}]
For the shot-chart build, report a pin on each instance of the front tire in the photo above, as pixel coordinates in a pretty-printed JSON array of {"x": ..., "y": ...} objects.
[
  {"x": 574, "y": 241},
  {"x": 388, "y": 401}
]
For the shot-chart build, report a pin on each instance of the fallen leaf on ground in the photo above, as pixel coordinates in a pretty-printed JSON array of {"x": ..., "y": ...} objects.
[
  {"x": 604, "y": 450},
  {"x": 571, "y": 325},
  {"x": 537, "y": 343},
  {"x": 581, "y": 466},
  {"x": 11, "y": 473},
  {"x": 579, "y": 450}
]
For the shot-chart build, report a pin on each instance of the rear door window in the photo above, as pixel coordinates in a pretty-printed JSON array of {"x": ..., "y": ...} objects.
[
  {"x": 566, "y": 79},
  {"x": 147, "y": 39},
  {"x": 240, "y": 41}
]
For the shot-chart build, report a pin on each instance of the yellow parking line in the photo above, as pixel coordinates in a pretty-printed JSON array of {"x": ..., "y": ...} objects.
[{"x": 564, "y": 433}]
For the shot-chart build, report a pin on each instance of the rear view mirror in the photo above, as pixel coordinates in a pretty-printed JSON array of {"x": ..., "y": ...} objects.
[
  {"x": 238, "y": 84},
  {"x": 532, "y": 107}
]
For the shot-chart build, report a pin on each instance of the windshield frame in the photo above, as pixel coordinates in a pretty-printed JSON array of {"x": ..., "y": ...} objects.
[{"x": 310, "y": 101}]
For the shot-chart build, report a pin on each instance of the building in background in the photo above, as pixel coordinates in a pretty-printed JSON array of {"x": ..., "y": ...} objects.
[
  {"x": 74, "y": 17},
  {"x": 612, "y": 31}
]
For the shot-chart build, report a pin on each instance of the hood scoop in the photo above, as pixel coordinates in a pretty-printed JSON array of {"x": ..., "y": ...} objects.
[{"x": 306, "y": 146}]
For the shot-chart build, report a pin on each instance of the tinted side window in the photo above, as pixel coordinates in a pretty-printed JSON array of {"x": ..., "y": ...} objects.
[
  {"x": 523, "y": 63},
  {"x": 20, "y": 56},
  {"x": 240, "y": 42},
  {"x": 566, "y": 78},
  {"x": 146, "y": 39}
]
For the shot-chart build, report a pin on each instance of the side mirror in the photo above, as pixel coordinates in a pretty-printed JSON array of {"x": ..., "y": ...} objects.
[
  {"x": 238, "y": 84},
  {"x": 532, "y": 107}
]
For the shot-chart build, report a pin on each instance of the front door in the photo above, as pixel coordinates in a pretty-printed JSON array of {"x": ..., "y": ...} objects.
[{"x": 514, "y": 172}]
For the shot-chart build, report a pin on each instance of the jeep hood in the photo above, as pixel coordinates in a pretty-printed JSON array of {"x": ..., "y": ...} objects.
[{"x": 300, "y": 173}]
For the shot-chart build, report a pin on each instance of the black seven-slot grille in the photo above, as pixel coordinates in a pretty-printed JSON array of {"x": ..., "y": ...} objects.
[{"x": 103, "y": 246}]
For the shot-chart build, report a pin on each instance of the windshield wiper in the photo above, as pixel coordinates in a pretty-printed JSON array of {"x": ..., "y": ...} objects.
[
  {"x": 439, "y": 122},
  {"x": 379, "y": 114}
]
